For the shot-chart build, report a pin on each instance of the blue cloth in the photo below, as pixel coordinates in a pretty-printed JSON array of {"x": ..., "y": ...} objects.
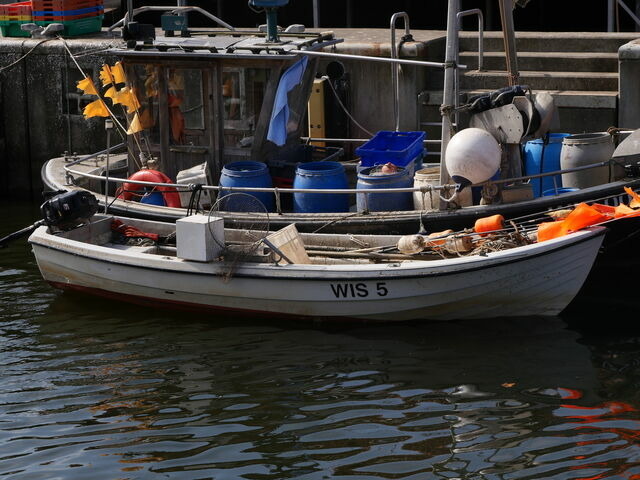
[{"x": 280, "y": 115}]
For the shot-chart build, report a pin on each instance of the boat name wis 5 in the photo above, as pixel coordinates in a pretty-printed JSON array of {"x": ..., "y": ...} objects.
[{"x": 359, "y": 290}]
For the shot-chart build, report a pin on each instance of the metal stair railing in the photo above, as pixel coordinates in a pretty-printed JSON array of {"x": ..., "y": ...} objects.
[{"x": 612, "y": 14}]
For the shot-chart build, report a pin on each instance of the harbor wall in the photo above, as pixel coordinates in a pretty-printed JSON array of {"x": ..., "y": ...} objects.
[{"x": 40, "y": 108}]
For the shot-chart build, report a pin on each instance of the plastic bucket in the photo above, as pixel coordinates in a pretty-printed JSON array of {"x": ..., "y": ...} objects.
[
  {"x": 324, "y": 176},
  {"x": 558, "y": 191},
  {"x": 423, "y": 178},
  {"x": 247, "y": 174},
  {"x": 585, "y": 149},
  {"x": 384, "y": 202},
  {"x": 541, "y": 156}
]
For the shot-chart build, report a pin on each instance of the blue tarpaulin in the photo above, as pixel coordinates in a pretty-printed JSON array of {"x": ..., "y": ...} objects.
[{"x": 280, "y": 115}]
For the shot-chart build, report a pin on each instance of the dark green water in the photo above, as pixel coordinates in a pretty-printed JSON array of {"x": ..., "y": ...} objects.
[{"x": 92, "y": 389}]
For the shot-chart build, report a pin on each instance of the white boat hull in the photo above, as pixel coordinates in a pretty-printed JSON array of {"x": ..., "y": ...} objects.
[{"x": 539, "y": 279}]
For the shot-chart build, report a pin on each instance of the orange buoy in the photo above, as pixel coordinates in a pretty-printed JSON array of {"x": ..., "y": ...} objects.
[
  {"x": 169, "y": 194},
  {"x": 488, "y": 224}
]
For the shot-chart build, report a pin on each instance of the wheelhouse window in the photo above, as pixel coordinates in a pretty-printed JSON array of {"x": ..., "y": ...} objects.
[
  {"x": 242, "y": 96},
  {"x": 144, "y": 82},
  {"x": 185, "y": 101}
]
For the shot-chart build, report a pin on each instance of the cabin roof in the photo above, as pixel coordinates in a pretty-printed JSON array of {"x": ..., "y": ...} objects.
[{"x": 230, "y": 44}]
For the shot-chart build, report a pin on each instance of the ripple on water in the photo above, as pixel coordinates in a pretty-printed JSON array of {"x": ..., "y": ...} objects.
[{"x": 99, "y": 390}]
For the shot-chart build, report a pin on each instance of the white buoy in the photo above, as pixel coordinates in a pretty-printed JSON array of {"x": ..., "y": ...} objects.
[{"x": 473, "y": 156}]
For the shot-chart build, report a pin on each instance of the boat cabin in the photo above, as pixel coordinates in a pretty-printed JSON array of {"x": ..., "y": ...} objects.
[{"x": 210, "y": 97}]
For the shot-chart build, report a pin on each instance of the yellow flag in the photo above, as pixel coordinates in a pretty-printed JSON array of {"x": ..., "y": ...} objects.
[
  {"x": 135, "y": 125},
  {"x": 96, "y": 108},
  {"x": 118, "y": 73},
  {"x": 87, "y": 86},
  {"x": 128, "y": 98},
  {"x": 106, "y": 76},
  {"x": 111, "y": 93}
]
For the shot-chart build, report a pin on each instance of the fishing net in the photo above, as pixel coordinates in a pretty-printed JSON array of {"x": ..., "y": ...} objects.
[{"x": 247, "y": 242}]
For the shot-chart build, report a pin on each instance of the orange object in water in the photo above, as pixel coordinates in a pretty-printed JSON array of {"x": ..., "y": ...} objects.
[{"x": 489, "y": 224}]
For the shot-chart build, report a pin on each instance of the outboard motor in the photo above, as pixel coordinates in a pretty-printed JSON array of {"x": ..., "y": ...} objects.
[
  {"x": 69, "y": 209},
  {"x": 64, "y": 211}
]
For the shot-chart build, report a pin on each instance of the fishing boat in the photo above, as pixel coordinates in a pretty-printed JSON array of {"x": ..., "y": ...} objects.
[
  {"x": 213, "y": 105},
  {"x": 196, "y": 264}
]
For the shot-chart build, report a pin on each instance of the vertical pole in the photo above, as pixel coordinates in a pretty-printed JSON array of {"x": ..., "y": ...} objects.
[
  {"x": 488, "y": 11},
  {"x": 272, "y": 25},
  {"x": 349, "y": 13},
  {"x": 129, "y": 10},
  {"x": 611, "y": 15},
  {"x": 448, "y": 100},
  {"x": 506, "y": 15},
  {"x": 316, "y": 14},
  {"x": 108, "y": 125}
]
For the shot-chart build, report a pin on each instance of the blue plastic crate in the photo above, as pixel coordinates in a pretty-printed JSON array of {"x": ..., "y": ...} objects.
[{"x": 399, "y": 148}]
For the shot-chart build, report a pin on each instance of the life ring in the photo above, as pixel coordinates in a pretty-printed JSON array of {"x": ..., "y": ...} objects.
[{"x": 169, "y": 194}]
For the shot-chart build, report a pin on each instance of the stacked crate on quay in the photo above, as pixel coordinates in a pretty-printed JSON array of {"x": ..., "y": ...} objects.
[
  {"x": 12, "y": 17},
  {"x": 78, "y": 17}
]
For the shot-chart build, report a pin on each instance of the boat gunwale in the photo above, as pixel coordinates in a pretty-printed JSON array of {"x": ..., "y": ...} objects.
[
  {"x": 386, "y": 271},
  {"x": 127, "y": 207}
]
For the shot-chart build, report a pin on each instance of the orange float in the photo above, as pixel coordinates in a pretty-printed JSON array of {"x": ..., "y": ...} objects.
[
  {"x": 169, "y": 194},
  {"x": 489, "y": 224}
]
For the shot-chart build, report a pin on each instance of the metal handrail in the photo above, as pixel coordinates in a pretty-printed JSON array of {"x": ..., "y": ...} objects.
[
  {"x": 178, "y": 10},
  {"x": 480, "y": 15},
  {"x": 395, "y": 68},
  {"x": 402, "y": 61},
  {"x": 611, "y": 14},
  {"x": 335, "y": 190}
]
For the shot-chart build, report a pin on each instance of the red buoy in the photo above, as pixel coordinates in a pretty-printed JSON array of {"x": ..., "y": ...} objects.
[{"x": 169, "y": 194}]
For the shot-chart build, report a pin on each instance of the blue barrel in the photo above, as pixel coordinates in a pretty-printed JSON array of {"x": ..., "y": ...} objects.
[
  {"x": 153, "y": 198},
  {"x": 384, "y": 202},
  {"x": 320, "y": 175},
  {"x": 540, "y": 156},
  {"x": 247, "y": 174}
]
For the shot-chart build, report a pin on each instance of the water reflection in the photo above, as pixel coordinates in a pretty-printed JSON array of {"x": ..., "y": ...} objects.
[{"x": 99, "y": 390}]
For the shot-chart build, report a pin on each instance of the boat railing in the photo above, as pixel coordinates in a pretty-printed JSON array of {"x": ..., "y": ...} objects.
[
  {"x": 173, "y": 9},
  {"x": 91, "y": 156},
  {"x": 425, "y": 189}
]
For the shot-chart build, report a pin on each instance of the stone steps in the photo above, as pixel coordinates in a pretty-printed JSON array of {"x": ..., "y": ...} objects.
[
  {"x": 579, "y": 69},
  {"x": 545, "y": 61},
  {"x": 543, "y": 80},
  {"x": 550, "y": 41}
]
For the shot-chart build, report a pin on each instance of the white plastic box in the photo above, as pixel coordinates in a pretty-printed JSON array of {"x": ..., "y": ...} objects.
[
  {"x": 199, "y": 237},
  {"x": 197, "y": 174}
]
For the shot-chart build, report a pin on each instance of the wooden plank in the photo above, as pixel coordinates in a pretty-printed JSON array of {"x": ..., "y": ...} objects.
[{"x": 289, "y": 242}]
